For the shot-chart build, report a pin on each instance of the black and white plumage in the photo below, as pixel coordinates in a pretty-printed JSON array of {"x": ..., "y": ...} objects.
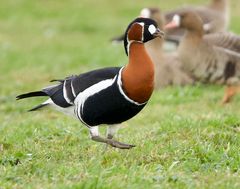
[
  {"x": 99, "y": 97},
  {"x": 92, "y": 97}
]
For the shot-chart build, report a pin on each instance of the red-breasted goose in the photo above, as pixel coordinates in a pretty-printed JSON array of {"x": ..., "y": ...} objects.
[{"x": 109, "y": 95}]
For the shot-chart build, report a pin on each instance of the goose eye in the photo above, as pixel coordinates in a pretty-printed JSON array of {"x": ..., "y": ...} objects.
[{"x": 152, "y": 29}]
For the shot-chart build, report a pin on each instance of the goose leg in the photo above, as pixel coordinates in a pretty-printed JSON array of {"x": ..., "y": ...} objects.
[
  {"x": 111, "y": 131},
  {"x": 95, "y": 136},
  {"x": 230, "y": 91}
]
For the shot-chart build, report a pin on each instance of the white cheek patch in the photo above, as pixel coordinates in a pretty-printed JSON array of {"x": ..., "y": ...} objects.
[
  {"x": 145, "y": 13},
  {"x": 152, "y": 29},
  {"x": 177, "y": 19}
]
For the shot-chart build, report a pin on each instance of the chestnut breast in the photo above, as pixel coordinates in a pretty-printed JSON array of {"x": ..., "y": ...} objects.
[{"x": 138, "y": 75}]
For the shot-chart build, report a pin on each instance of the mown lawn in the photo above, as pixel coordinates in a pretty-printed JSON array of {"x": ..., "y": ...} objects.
[{"x": 184, "y": 138}]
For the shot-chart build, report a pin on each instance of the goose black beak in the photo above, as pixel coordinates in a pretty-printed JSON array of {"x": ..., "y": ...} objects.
[{"x": 158, "y": 33}]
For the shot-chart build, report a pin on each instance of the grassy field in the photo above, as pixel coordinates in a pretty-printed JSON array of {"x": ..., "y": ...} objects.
[{"x": 184, "y": 138}]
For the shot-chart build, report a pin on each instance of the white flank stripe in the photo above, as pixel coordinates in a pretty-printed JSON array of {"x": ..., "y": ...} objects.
[
  {"x": 65, "y": 93},
  {"x": 78, "y": 113},
  {"x": 119, "y": 82},
  {"x": 96, "y": 88},
  {"x": 73, "y": 92}
]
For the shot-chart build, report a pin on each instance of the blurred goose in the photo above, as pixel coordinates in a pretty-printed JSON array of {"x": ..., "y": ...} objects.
[
  {"x": 109, "y": 95},
  {"x": 213, "y": 58},
  {"x": 167, "y": 65},
  {"x": 215, "y": 18},
  {"x": 225, "y": 39}
]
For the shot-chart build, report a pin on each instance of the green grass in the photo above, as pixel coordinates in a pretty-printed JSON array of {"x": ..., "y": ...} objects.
[{"x": 184, "y": 137}]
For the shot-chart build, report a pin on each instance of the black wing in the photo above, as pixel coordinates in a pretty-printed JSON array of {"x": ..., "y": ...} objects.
[{"x": 64, "y": 93}]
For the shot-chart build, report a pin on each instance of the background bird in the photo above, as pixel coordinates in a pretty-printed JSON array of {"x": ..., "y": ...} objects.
[
  {"x": 167, "y": 64},
  {"x": 215, "y": 16},
  {"x": 211, "y": 58},
  {"x": 109, "y": 95}
]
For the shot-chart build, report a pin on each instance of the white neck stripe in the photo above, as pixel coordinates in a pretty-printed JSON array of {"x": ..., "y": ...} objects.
[{"x": 129, "y": 44}]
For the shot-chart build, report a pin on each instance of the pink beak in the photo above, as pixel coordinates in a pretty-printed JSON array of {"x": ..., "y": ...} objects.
[{"x": 171, "y": 25}]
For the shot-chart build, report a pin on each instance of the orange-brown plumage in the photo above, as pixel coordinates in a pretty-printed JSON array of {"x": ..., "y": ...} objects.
[
  {"x": 136, "y": 32},
  {"x": 138, "y": 75}
]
